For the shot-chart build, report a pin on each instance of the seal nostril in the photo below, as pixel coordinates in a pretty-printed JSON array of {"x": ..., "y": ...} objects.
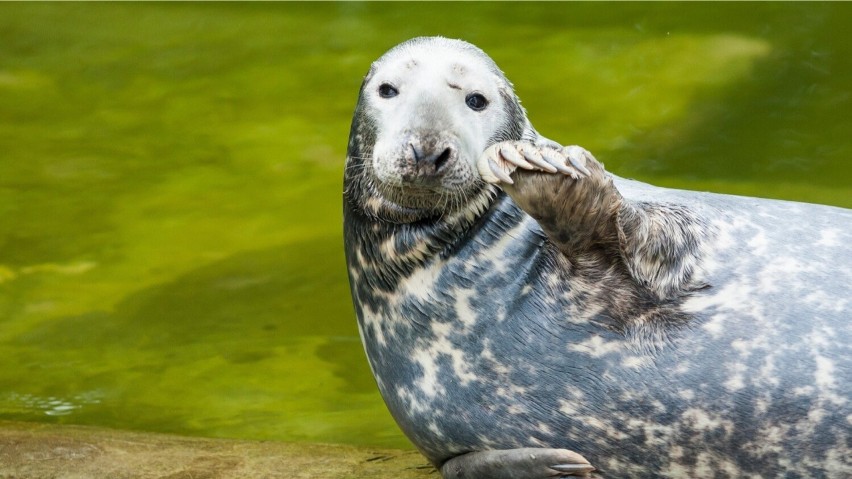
[{"x": 442, "y": 159}]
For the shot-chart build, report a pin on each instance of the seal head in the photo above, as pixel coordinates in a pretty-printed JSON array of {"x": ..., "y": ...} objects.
[{"x": 427, "y": 110}]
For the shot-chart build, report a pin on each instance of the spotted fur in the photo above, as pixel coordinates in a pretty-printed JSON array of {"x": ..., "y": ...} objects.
[{"x": 657, "y": 332}]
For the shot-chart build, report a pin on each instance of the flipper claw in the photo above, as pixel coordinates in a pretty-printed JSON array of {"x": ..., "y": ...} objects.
[
  {"x": 577, "y": 156},
  {"x": 574, "y": 469},
  {"x": 511, "y": 155},
  {"x": 555, "y": 158},
  {"x": 502, "y": 159},
  {"x": 499, "y": 173},
  {"x": 532, "y": 154}
]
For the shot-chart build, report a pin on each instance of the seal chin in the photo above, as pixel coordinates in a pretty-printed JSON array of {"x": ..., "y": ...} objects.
[{"x": 409, "y": 202}]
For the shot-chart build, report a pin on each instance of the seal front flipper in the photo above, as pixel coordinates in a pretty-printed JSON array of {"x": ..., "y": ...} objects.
[
  {"x": 577, "y": 204},
  {"x": 524, "y": 463},
  {"x": 567, "y": 191}
]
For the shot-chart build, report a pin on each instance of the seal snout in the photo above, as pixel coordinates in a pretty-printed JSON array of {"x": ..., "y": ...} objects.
[
  {"x": 430, "y": 162},
  {"x": 428, "y": 158}
]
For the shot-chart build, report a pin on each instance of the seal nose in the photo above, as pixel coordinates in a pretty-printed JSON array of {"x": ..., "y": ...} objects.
[{"x": 433, "y": 161}]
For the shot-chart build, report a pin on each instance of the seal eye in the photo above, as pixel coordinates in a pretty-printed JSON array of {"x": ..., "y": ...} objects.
[
  {"x": 387, "y": 90},
  {"x": 476, "y": 101}
]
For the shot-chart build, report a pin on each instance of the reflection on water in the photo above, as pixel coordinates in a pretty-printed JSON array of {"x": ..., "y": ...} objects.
[
  {"x": 170, "y": 180},
  {"x": 27, "y": 404}
]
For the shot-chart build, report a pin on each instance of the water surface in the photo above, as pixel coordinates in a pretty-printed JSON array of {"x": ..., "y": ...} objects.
[{"x": 170, "y": 178}]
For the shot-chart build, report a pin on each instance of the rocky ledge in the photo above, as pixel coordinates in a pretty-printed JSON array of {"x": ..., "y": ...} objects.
[{"x": 48, "y": 451}]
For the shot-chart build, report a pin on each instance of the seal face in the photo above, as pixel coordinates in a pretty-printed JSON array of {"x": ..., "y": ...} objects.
[
  {"x": 511, "y": 294},
  {"x": 427, "y": 110}
]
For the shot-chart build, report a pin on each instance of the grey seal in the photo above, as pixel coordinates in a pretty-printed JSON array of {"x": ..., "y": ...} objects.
[{"x": 527, "y": 314}]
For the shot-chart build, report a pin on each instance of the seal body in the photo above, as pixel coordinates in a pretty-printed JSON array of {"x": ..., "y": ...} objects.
[{"x": 669, "y": 334}]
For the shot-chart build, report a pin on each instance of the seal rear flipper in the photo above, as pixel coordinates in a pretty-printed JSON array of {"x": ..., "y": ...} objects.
[{"x": 523, "y": 463}]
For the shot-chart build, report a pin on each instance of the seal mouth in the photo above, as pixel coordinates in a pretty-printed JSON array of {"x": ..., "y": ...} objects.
[
  {"x": 400, "y": 200},
  {"x": 428, "y": 178},
  {"x": 423, "y": 178}
]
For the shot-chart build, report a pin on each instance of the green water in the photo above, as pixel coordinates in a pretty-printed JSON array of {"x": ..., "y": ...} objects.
[{"x": 170, "y": 177}]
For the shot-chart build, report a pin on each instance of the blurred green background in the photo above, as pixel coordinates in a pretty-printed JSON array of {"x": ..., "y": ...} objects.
[{"x": 170, "y": 180}]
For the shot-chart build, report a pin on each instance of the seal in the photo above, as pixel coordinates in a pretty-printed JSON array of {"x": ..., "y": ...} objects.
[{"x": 527, "y": 314}]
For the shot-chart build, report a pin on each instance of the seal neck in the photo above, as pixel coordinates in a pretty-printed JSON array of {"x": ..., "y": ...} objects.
[{"x": 381, "y": 252}]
